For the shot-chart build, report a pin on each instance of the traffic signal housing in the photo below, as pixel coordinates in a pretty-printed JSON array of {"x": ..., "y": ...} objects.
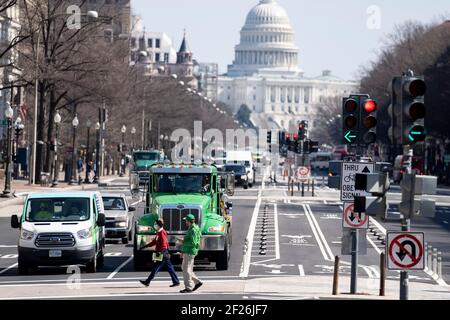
[
  {"x": 350, "y": 116},
  {"x": 414, "y": 111},
  {"x": 303, "y": 130},
  {"x": 368, "y": 126}
]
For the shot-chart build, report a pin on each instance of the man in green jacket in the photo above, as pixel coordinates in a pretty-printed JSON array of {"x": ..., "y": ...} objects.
[{"x": 191, "y": 246}]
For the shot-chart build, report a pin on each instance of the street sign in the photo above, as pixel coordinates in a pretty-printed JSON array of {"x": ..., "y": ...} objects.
[
  {"x": 405, "y": 251},
  {"x": 348, "y": 177},
  {"x": 354, "y": 220},
  {"x": 303, "y": 173}
]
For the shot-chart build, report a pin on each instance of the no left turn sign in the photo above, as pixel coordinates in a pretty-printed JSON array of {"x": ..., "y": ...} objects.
[
  {"x": 354, "y": 220},
  {"x": 405, "y": 251},
  {"x": 303, "y": 172}
]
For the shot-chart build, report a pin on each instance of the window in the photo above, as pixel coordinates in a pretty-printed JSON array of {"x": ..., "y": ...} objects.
[
  {"x": 133, "y": 42},
  {"x": 150, "y": 43},
  {"x": 229, "y": 97},
  {"x": 158, "y": 43},
  {"x": 306, "y": 109},
  {"x": 141, "y": 43},
  {"x": 166, "y": 57},
  {"x": 254, "y": 97},
  {"x": 57, "y": 209},
  {"x": 254, "y": 108},
  {"x": 157, "y": 56},
  {"x": 273, "y": 108},
  {"x": 113, "y": 203},
  {"x": 282, "y": 108}
]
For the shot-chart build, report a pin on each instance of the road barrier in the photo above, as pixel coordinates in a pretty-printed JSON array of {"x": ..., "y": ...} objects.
[
  {"x": 336, "y": 276},
  {"x": 439, "y": 265}
]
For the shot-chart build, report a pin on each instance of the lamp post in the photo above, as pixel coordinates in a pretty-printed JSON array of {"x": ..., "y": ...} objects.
[
  {"x": 133, "y": 132},
  {"x": 161, "y": 137},
  {"x": 122, "y": 154},
  {"x": 18, "y": 127},
  {"x": 166, "y": 139},
  {"x": 87, "y": 158},
  {"x": 57, "y": 121},
  {"x": 9, "y": 113},
  {"x": 75, "y": 124},
  {"x": 97, "y": 154}
]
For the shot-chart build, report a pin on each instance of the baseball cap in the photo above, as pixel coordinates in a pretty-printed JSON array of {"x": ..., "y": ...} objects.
[{"x": 189, "y": 217}]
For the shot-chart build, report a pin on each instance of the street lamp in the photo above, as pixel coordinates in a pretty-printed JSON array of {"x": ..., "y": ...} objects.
[
  {"x": 122, "y": 161},
  {"x": 18, "y": 128},
  {"x": 97, "y": 154},
  {"x": 57, "y": 121},
  {"x": 88, "y": 154},
  {"x": 75, "y": 124},
  {"x": 9, "y": 113}
]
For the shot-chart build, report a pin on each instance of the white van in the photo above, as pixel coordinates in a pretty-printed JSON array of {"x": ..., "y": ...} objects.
[
  {"x": 61, "y": 228},
  {"x": 245, "y": 158},
  {"x": 321, "y": 160}
]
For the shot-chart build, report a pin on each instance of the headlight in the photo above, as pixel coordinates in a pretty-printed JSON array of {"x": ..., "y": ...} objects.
[
  {"x": 85, "y": 233},
  {"x": 121, "y": 224},
  {"x": 216, "y": 229},
  {"x": 244, "y": 177},
  {"x": 144, "y": 229},
  {"x": 26, "y": 235}
]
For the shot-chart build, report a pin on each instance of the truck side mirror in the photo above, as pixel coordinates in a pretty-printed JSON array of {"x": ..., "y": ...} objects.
[
  {"x": 101, "y": 220},
  {"x": 131, "y": 209},
  {"x": 15, "y": 224}
]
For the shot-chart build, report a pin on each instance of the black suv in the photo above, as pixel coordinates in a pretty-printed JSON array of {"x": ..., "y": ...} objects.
[{"x": 240, "y": 174}]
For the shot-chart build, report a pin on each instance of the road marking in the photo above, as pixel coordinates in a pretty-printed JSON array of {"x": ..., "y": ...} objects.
[
  {"x": 320, "y": 233},
  {"x": 301, "y": 270},
  {"x": 9, "y": 256},
  {"x": 113, "y": 254},
  {"x": 8, "y": 246},
  {"x": 245, "y": 267},
  {"x": 373, "y": 245},
  {"x": 10, "y": 267},
  {"x": 277, "y": 235},
  {"x": 378, "y": 225},
  {"x": 134, "y": 203},
  {"x": 119, "y": 268},
  {"x": 325, "y": 201}
]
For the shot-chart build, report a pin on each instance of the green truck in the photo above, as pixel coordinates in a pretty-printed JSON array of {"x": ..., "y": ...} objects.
[
  {"x": 142, "y": 161},
  {"x": 174, "y": 191}
]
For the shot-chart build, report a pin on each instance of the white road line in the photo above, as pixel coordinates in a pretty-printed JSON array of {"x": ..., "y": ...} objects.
[
  {"x": 301, "y": 270},
  {"x": 245, "y": 267},
  {"x": 134, "y": 203},
  {"x": 325, "y": 201},
  {"x": 378, "y": 225},
  {"x": 368, "y": 271},
  {"x": 277, "y": 234},
  {"x": 373, "y": 245},
  {"x": 119, "y": 268},
  {"x": 10, "y": 267},
  {"x": 316, "y": 235},
  {"x": 375, "y": 271},
  {"x": 8, "y": 246},
  {"x": 325, "y": 243}
]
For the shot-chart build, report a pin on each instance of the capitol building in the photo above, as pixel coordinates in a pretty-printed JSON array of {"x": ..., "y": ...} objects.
[{"x": 265, "y": 75}]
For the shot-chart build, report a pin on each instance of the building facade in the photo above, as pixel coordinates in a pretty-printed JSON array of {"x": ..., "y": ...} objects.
[{"x": 265, "y": 75}]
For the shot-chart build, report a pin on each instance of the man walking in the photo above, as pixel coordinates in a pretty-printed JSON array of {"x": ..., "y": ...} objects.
[{"x": 191, "y": 246}]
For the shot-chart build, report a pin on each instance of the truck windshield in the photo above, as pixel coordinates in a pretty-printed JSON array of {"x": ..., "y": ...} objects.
[
  {"x": 57, "y": 209},
  {"x": 150, "y": 156},
  {"x": 183, "y": 183},
  {"x": 112, "y": 203},
  {"x": 235, "y": 169}
]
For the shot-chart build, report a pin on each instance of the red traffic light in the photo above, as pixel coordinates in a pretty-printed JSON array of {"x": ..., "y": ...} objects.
[
  {"x": 288, "y": 136},
  {"x": 370, "y": 106},
  {"x": 351, "y": 105},
  {"x": 295, "y": 136},
  {"x": 416, "y": 87}
]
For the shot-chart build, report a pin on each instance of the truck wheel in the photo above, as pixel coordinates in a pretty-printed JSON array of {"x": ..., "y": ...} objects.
[
  {"x": 23, "y": 268},
  {"x": 245, "y": 186},
  {"x": 125, "y": 240},
  {"x": 250, "y": 185},
  {"x": 223, "y": 257}
]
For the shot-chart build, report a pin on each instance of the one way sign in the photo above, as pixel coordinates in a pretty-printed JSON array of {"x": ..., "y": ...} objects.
[{"x": 405, "y": 251}]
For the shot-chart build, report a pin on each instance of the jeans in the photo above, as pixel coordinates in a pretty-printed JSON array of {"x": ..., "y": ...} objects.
[{"x": 158, "y": 265}]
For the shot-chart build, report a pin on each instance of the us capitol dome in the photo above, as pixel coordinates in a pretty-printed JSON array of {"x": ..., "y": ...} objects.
[{"x": 265, "y": 76}]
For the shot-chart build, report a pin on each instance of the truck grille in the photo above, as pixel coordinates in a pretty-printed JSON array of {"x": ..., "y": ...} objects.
[
  {"x": 173, "y": 218},
  {"x": 110, "y": 223},
  {"x": 55, "y": 240}
]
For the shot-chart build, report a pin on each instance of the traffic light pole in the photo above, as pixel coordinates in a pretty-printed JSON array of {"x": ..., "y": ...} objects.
[
  {"x": 406, "y": 226},
  {"x": 354, "y": 267}
]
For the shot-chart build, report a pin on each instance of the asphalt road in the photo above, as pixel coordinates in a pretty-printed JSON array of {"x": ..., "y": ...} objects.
[{"x": 301, "y": 239}]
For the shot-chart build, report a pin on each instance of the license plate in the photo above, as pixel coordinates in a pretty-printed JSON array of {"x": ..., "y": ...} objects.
[{"x": 55, "y": 253}]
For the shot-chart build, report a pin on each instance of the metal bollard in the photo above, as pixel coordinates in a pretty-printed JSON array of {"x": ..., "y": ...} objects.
[
  {"x": 309, "y": 181},
  {"x": 313, "y": 183},
  {"x": 382, "y": 274},
  {"x": 323, "y": 181},
  {"x": 429, "y": 258},
  {"x": 439, "y": 264},
  {"x": 336, "y": 276},
  {"x": 434, "y": 264},
  {"x": 292, "y": 188},
  {"x": 425, "y": 256},
  {"x": 303, "y": 188}
]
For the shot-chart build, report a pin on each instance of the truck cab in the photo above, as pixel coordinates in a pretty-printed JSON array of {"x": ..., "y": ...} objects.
[
  {"x": 61, "y": 228},
  {"x": 143, "y": 160},
  {"x": 175, "y": 191}
]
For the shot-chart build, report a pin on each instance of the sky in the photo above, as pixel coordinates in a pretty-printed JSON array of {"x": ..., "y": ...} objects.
[{"x": 337, "y": 35}]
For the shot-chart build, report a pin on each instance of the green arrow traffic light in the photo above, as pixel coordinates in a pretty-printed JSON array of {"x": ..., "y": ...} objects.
[
  {"x": 417, "y": 133},
  {"x": 350, "y": 136}
]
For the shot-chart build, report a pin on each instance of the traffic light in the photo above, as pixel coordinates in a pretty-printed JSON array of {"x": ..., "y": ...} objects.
[
  {"x": 377, "y": 184},
  {"x": 303, "y": 130},
  {"x": 413, "y": 106},
  {"x": 350, "y": 118},
  {"x": 269, "y": 137},
  {"x": 368, "y": 126},
  {"x": 313, "y": 146}
]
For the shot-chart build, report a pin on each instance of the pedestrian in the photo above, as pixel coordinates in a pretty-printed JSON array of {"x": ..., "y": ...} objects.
[
  {"x": 80, "y": 169},
  {"x": 161, "y": 256},
  {"x": 191, "y": 246}
]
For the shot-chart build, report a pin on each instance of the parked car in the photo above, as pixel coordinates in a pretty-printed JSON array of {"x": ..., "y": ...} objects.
[
  {"x": 61, "y": 228},
  {"x": 240, "y": 175},
  {"x": 119, "y": 217}
]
